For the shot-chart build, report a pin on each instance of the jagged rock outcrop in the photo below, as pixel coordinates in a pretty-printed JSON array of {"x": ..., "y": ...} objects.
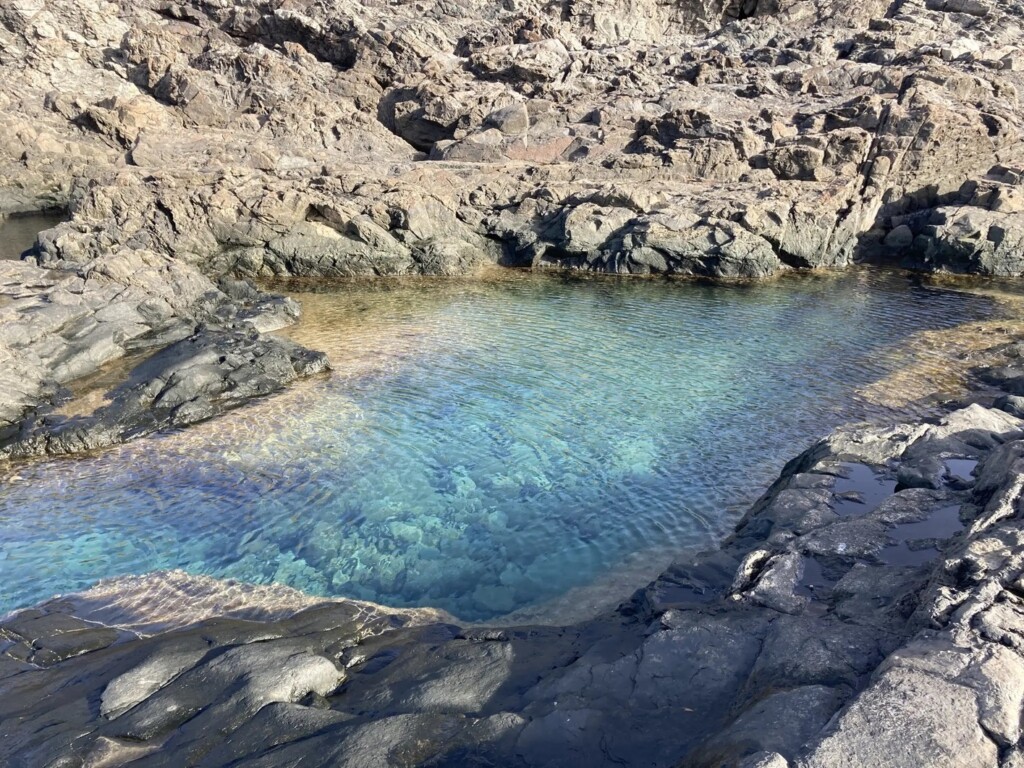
[{"x": 59, "y": 325}]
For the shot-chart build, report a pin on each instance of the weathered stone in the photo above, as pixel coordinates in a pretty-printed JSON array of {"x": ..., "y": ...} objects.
[
  {"x": 194, "y": 379},
  {"x": 907, "y": 718}
]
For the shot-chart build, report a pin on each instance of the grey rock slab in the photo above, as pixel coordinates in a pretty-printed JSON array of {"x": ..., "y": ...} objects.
[
  {"x": 775, "y": 585},
  {"x": 801, "y": 650},
  {"x": 877, "y": 595},
  {"x": 196, "y": 378},
  {"x": 220, "y": 694},
  {"x": 459, "y": 676},
  {"x": 997, "y": 674},
  {"x": 780, "y": 723},
  {"x": 412, "y": 739},
  {"x": 138, "y": 684},
  {"x": 907, "y": 718},
  {"x": 271, "y": 726}
]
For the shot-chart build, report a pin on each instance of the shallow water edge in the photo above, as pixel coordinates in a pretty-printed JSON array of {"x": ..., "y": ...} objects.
[{"x": 603, "y": 587}]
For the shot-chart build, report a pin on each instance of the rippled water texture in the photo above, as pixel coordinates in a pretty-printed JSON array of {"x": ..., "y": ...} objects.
[{"x": 482, "y": 446}]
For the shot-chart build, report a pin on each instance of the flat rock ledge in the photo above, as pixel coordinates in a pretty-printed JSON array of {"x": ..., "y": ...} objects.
[
  {"x": 166, "y": 345},
  {"x": 205, "y": 374},
  {"x": 868, "y": 610}
]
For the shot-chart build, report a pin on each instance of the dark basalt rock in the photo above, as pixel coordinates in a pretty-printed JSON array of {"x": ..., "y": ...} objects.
[
  {"x": 1012, "y": 404},
  {"x": 197, "y": 378}
]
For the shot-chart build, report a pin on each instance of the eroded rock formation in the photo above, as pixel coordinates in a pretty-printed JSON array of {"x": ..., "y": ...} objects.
[{"x": 195, "y": 141}]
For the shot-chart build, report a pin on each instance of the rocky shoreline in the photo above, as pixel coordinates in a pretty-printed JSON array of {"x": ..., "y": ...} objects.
[
  {"x": 865, "y": 612},
  {"x": 196, "y": 147}
]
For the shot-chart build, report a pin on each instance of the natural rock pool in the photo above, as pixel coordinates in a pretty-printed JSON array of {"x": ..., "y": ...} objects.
[
  {"x": 18, "y": 233},
  {"x": 484, "y": 446}
]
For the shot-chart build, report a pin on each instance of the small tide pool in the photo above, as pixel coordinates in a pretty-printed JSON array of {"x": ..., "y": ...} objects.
[
  {"x": 484, "y": 446},
  {"x": 18, "y": 232}
]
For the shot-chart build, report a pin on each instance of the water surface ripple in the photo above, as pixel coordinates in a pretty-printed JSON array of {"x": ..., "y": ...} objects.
[{"x": 482, "y": 446}]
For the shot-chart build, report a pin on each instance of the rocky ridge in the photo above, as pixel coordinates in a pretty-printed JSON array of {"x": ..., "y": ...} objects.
[{"x": 196, "y": 143}]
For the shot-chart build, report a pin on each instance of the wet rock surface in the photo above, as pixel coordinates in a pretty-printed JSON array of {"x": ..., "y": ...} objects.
[
  {"x": 802, "y": 641},
  {"x": 191, "y": 380},
  {"x": 60, "y": 325}
]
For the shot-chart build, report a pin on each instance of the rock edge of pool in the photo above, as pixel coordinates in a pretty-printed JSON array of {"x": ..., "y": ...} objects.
[
  {"x": 489, "y": 448},
  {"x": 867, "y": 610}
]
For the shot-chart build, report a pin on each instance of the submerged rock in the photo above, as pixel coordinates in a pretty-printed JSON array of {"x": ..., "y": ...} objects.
[{"x": 798, "y": 643}]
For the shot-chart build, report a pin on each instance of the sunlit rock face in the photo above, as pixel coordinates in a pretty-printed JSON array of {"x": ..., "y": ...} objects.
[{"x": 195, "y": 146}]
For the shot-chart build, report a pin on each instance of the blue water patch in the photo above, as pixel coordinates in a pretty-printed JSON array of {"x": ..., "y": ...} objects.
[{"x": 482, "y": 445}]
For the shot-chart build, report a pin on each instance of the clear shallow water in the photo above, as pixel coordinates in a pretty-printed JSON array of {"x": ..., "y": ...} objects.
[{"x": 482, "y": 446}]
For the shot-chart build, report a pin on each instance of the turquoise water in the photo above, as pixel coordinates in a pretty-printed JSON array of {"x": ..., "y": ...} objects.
[{"x": 482, "y": 446}]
